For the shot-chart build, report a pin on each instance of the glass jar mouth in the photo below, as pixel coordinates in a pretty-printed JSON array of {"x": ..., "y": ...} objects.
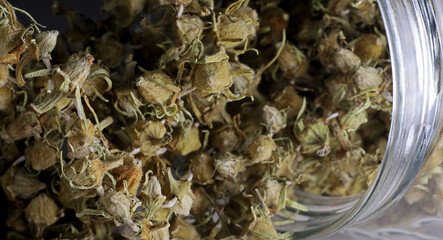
[{"x": 413, "y": 30}]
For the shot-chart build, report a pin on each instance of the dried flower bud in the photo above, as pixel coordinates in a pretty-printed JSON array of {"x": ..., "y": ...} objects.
[
  {"x": 261, "y": 228},
  {"x": 213, "y": 77},
  {"x": 117, "y": 205},
  {"x": 225, "y": 139},
  {"x": 77, "y": 68},
  {"x": 131, "y": 173},
  {"x": 97, "y": 82},
  {"x": 185, "y": 141},
  {"x": 24, "y": 126},
  {"x": 46, "y": 41},
  {"x": 292, "y": 61},
  {"x": 124, "y": 10},
  {"x": 351, "y": 121},
  {"x": 17, "y": 182},
  {"x": 4, "y": 74},
  {"x": 181, "y": 191},
  {"x": 94, "y": 172},
  {"x": 181, "y": 229},
  {"x": 152, "y": 197},
  {"x": 156, "y": 87},
  {"x": 271, "y": 191},
  {"x": 148, "y": 137},
  {"x": 274, "y": 20},
  {"x": 202, "y": 168},
  {"x": 41, "y": 155},
  {"x": 82, "y": 139},
  {"x": 289, "y": 99},
  {"x": 237, "y": 28},
  {"x": 367, "y": 78},
  {"x": 6, "y": 99},
  {"x": 229, "y": 166},
  {"x": 370, "y": 46},
  {"x": 150, "y": 231},
  {"x": 315, "y": 136},
  {"x": 228, "y": 187},
  {"x": 42, "y": 211},
  {"x": 154, "y": 130},
  {"x": 185, "y": 29},
  {"x": 261, "y": 149},
  {"x": 346, "y": 61},
  {"x": 365, "y": 12},
  {"x": 110, "y": 50},
  {"x": 274, "y": 119}
]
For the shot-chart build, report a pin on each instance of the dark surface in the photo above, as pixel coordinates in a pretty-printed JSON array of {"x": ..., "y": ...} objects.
[{"x": 41, "y": 10}]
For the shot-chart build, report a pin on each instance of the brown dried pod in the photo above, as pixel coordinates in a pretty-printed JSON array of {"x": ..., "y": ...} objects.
[
  {"x": 4, "y": 74},
  {"x": 367, "y": 78},
  {"x": 41, "y": 155},
  {"x": 131, "y": 172},
  {"x": 6, "y": 98},
  {"x": 369, "y": 46},
  {"x": 150, "y": 231},
  {"x": 185, "y": 141},
  {"x": 17, "y": 182},
  {"x": 213, "y": 77},
  {"x": 157, "y": 87},
  {"x": 227, "y": 187},
  {"x": 201, "y": 203},
  {"x": 16, "y": 220},
  {"x": 42, "y": 211},
  {"x": 24, "y": 126},
  {"x": 365, "y": 12},
  {"x": 181, "y": 229},
  {"x": 273, "y": 21},
  {"x": 261, "y": 149},
  {"x": 224, "y": 139},
  {"x": 346, "y": 61},
  {"x": 202, "y": 168},
  {"x": 288, "y": 98}
]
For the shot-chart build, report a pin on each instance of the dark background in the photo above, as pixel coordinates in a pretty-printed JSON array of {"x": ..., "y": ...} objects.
[{"x": 41, "y": 10}]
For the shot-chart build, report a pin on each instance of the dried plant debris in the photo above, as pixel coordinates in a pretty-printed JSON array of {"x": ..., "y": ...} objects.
[{"x": 188, "y": 119}]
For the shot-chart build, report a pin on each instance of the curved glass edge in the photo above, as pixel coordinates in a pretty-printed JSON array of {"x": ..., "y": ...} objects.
[{"x": 413, "y": 29}]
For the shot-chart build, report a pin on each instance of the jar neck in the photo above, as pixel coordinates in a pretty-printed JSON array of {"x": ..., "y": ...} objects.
[{"x": 414, "y": 30}]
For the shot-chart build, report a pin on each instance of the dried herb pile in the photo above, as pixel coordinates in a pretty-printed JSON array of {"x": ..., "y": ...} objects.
[{"x": 186, "y": 119}]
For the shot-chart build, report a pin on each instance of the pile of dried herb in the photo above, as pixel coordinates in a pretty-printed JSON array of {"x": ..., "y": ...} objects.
[{"x": 188, "y": 119}]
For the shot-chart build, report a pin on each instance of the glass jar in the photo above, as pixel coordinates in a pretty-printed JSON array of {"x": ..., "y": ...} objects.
[{"x": 413, "y": 29}]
